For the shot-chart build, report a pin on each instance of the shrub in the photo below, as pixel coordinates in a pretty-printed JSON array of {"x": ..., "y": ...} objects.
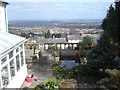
[
  {"x": 51, "y": 84},
  {"x": 69, "y": 73},
  {"x": 59, "y": 70}
]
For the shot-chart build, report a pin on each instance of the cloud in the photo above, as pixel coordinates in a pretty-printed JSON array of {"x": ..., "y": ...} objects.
[{"x": 61, "y": 0}]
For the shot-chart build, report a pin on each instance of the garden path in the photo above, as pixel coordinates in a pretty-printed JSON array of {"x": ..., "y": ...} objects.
[{"x": 41, "y": 69}]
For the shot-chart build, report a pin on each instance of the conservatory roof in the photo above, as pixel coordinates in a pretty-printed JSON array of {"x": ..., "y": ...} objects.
[{"x": 8, "y": 41}]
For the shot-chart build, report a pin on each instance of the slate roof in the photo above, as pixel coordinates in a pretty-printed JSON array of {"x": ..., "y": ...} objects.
[
  {"x": 50, "y": 40},
  {"x": 74, "y": 37}
]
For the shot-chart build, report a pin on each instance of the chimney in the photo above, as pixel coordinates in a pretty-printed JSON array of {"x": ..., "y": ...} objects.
[{"x": 3, "y": 16}]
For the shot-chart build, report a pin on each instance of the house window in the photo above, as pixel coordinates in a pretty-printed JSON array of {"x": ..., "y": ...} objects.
[
  {"x": 11, "y": 54},
  {"x": 22, "y": 59},
  {"x": 17, "y": 62},
  {"x": 5, "y": 78},
  {"x": 3, "y": 60},
  {"x": 12, "y": 68}
]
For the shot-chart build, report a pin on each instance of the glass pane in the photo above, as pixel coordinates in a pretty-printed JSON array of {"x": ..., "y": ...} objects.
[
  {"x": 17, "y": 62},
  {"x": 17, "y": 50},
  {"x": 5, "y": 76},
  {"x": 11, "y": 54},
  {"x": 21, "y": 47},
  {"x": 12, "y": 68},
  {"x": 22, "y": 61},
  {"x": 3, "y": 60}
]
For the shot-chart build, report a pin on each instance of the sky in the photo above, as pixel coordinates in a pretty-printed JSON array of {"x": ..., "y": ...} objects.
[{"x": 57, "y": 9}]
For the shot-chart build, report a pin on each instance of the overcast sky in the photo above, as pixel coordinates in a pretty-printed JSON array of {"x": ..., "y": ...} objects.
[{"x": 57, "y": 9}]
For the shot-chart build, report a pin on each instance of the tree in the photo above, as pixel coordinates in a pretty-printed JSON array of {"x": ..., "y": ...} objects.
[
  {"x": 86, "y": 42},
  {"x": 111, "y": 23},
  {"x": 57, "y": 35},
  {"x": 48, "y": 34},
  {"x": 102, "y": 56}
]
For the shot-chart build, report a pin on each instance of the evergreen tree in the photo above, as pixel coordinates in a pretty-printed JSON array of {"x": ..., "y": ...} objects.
[
  {"x": 102, "y": 56},
  {"x": 48, "y": 34},
  {"x": 111, "y": 23}
]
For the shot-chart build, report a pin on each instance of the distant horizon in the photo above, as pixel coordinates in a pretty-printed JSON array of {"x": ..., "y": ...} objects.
[{"x": 59, "y": 20}]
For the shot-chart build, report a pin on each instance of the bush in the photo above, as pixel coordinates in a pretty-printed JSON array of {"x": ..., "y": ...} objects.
[
  {"x": 50, "y": 84},
  {"x": 69, "y": 73},
  {"x": 59, "y": 71}
]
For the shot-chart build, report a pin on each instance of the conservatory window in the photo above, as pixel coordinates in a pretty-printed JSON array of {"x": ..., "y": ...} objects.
[
  {"x": 22, "y": 60},
  {"x": 21, "y": 47},
  {"x": 17, "y": 50},
  {"x": 12, "y": 68},
  {"x": 5, "y": 78},
  {"x": 3, "y": 60},
  {"x": 11, "y": 54},
  {"x": 17, "y": 62}
]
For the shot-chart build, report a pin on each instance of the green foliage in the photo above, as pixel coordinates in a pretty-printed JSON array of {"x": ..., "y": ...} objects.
[
  {"x": 69, "y": 73},
  {"x": 56, "y": 35},
  {"x": 48, "y": 34},
  {"x": 51, "y": 84},
  {"x": 111, "y": 23},
  {"x": 58, "y": 70},
  {"x": 30, "y": 46},
  {"x": 102, "y": 56},
  {"x": 24, "y": 35},
  {"x": 86, "y": 42},
  {"x": 12, "y": 32}
]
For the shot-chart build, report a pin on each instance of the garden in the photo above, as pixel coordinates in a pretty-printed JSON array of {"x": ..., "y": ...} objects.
[{"x": 102, "y": 66}]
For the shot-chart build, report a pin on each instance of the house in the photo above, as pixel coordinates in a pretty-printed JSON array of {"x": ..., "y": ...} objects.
[
  {"x": 51, "y": 42},
  {"x": 13, "y": 68},
  {"x": 95, "y": 37},
  {"x": 74, "y": 38}
]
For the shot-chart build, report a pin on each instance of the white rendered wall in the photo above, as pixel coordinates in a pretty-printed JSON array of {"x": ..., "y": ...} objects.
[
  {"x": 19, "y": 78},
  {"x": 3, "y": 18},
  {"x": 73, "y": 41}
]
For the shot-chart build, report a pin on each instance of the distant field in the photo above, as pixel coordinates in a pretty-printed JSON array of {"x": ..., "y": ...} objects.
[{"x": 60, "y": 24}]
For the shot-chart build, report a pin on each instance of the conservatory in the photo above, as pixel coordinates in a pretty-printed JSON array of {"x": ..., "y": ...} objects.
[{"x": 12, "y": 60}]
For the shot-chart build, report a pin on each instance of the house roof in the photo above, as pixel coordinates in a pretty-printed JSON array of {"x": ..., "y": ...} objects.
[
  {"x": 3, "y": 1},
  {"x": 8, "y": 41},
  {"x": 74, "y": 37},
  {"x": 50, "y": 40}
]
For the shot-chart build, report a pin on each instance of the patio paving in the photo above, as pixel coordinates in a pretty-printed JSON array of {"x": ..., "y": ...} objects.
[{"x": 41, "y": 69}]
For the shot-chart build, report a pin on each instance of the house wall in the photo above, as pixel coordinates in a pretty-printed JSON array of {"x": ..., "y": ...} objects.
[{"x": 74, "y": 41}]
